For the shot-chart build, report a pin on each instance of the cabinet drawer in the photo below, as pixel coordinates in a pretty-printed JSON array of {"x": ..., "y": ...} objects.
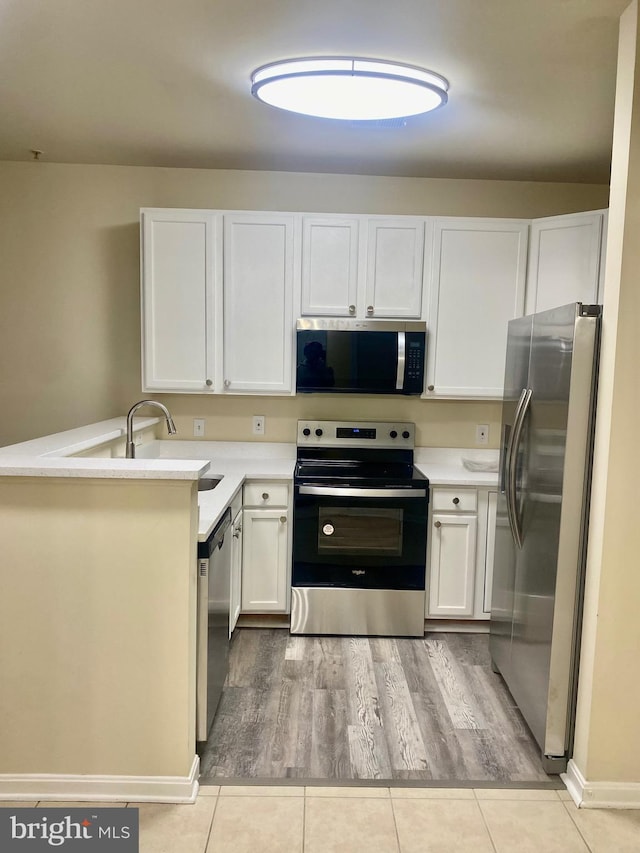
[
  {"x": 460, "y": 500},
  {"x": 266, "y": 494}
]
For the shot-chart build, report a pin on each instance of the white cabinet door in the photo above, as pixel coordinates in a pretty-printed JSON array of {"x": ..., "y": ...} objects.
[
  {"x": 490, "y": 551},
  {"x": 264, "y": 560},
  {"x": 479, "y": 268},
  {"x": 235, "y": 595},
  {"x": 178, "y": 296},
  {"x": 395, "y": 259},
  {"x": 329, "y": 266},
  {"x": 452, "y": 565},
  {"x": 565, "y": 263},
  {"x": 258, "y": 302}
]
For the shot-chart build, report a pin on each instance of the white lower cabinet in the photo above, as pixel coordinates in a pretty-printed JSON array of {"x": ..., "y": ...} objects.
[
  {"x": 266, "y": 548},
  {"x": 492, "y": 505},
  {"x": 235, "y": 594},
  {"x": 452, "y": 568},
  {"x": 460, "y": 548}
]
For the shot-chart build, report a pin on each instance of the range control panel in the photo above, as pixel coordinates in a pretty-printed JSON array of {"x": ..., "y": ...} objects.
[{"x": 356, "y": 434}]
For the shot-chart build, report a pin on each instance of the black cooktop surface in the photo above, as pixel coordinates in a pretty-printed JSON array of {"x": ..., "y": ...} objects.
[{"x": 358, "y": 472}]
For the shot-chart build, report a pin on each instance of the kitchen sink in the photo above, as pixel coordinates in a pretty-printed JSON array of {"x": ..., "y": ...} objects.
[{"x": 205, "y": 484}]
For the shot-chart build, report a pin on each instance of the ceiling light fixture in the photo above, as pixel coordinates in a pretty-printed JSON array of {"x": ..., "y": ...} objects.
[{"x": 349, "y": 89}]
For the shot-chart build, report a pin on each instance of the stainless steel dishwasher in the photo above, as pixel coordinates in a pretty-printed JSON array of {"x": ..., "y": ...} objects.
[{"x": 214, "y": 576}]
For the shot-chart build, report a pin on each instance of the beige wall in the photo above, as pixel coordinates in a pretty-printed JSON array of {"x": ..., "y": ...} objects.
[
  {"x": 439, "y": 423},
  {"x": 608, "y": 735},
  {"x": 98, "y": 582},
  {"x": 69, "y": 272}
]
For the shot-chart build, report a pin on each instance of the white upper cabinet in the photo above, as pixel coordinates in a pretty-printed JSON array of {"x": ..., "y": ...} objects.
[
  {"x": 259, "y": 258},
  {"x": 362, "y": 266},
  {"x": 395, "y": 263},
  {"x": 178, "y": 300},
  {"x": 479, "y": 268},
  {"x": 329, "y": 266},
  {"x": 566, "y": 260}
]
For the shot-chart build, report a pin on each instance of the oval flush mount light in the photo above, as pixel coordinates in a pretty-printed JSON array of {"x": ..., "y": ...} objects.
[{"x": 349, "y": 89}]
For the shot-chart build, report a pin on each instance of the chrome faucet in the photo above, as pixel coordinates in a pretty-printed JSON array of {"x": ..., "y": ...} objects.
[{"x": 171, "y": 427}]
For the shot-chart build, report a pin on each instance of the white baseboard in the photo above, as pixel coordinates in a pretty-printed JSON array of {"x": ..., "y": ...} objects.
[
  {"x": 457, "y": 626},
  {"x": 125, "y": 789},
  {"x": 600, "y": 795}
]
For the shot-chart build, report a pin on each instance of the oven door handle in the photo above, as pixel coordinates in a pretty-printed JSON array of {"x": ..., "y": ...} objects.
[{"x": 345, "y": 492}]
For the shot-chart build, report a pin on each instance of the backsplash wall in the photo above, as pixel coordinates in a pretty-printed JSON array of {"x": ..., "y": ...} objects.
[{"x": 439, "y": 423}]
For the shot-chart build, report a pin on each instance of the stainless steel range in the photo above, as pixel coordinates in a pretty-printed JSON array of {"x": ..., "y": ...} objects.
[{"x": 360, "y": 530}]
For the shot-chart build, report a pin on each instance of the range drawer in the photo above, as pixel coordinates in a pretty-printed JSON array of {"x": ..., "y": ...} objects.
[
  {"x": 266, "y": 494},
  {"x": 454, "y": 500}
]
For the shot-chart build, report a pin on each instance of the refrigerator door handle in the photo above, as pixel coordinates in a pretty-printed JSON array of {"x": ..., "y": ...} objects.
[{"x": 516, "y": 435}]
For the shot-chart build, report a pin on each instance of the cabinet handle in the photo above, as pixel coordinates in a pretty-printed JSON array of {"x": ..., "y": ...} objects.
[
  {"x": 369, "y": 309},
  {"x": 236, "y": 533},
  {"x": 227, "y": 383},
  {"x": 437, "y": 524},
  {"x": 209, "y": 382},
  {"x": 283, "y": 519},
  {"x": 265, "y": 496},
  {"x": 352, "y": 309},
  {"x": 456, "y": 501},
  {"x": 430, "y": 387}
]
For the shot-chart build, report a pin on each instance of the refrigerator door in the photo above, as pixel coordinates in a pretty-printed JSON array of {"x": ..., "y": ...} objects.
[
  {"x": 516, "y": 378},
  {"x": 552, "y": 498}
]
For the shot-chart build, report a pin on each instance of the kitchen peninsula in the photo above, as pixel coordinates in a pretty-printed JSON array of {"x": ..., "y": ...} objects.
[{"x": 97, "y": 653}]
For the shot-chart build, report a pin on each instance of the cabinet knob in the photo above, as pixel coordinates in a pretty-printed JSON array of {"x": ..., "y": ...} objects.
[
  {"x": 265, "y": 496},
  {"x": 283, "y": 519},
  {"x": 209, "y": 382},
  {"x": 437, "y": 524},
  {"x": 456, "y": 501},
  {"x": 369, "y": 309},
  {"x": 236, "y": 533},
  {"x": 352, "y": 309},
  {"x": 227, "y": 383},
  {"x": 430, "y": 387}
]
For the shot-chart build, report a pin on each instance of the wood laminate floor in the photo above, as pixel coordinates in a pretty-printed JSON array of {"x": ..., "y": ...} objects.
[{"x": 367, "y": 708}]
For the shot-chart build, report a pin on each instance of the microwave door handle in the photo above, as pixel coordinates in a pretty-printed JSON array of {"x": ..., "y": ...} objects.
[{"x": 401, "y": 361}]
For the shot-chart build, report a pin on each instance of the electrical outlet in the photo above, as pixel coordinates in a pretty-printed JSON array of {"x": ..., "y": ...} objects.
[
  {"x": 482, "y": 433},
  {"x": 258, "y": 424},
  {"x": 198, "y": 427}
]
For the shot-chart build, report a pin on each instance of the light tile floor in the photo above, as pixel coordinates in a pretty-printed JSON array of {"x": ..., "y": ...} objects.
[{"x": 290, "y": 819}]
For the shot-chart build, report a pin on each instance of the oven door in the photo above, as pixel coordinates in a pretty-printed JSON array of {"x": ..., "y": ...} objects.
[{"x": 357, "y": 537}]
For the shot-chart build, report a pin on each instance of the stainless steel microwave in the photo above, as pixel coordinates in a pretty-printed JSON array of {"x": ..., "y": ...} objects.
[{"x": 345, "y": 356}]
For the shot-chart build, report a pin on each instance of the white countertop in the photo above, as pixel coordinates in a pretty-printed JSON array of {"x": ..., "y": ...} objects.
[
  {"x": 232, "y": 462},
  {"x": 444, "y": 466},
  {"x": 49, "y": 456}
]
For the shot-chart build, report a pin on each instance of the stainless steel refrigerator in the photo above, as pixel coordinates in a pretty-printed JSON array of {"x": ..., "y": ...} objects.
[{"x": 541, "y": 530}]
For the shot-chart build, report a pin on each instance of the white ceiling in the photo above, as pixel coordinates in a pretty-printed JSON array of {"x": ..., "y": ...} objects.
[{"x": 166, "y": 83}]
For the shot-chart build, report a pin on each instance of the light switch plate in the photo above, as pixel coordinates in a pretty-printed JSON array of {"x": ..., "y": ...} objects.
[
  {"x": 198, "y": 427},
  {"x": 258, "y": 424}
]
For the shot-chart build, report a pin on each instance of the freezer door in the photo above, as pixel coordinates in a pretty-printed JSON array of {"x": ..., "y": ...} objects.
[
  {"x": 516, "y": 378},
  {"x": 553, "y": 495}
]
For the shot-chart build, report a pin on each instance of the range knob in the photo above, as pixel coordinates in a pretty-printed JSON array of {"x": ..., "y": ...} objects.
[
  {"x": 318, "y": 432},
  {"x": 393, "y": 433},
  {"x": 306, "y": 431},
  {"x": 406, "y": 433}
]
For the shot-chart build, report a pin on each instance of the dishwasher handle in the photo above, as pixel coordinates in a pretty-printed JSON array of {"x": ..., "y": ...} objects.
[{"x": 217, "y": 537}]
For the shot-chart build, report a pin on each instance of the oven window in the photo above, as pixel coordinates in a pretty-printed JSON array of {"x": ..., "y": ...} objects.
[{"x": 346, "y": 530}]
